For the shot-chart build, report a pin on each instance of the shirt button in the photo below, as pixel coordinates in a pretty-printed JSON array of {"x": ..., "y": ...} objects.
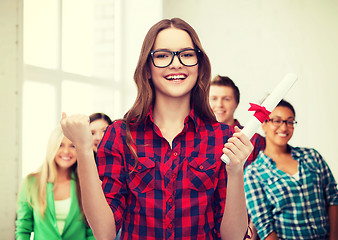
[
  {"x": 174, "y": 175},
  {"x": 175, "y": 154},
  {"x": 170, "y": 200},
  {"x": 201, "y": 167},
  {"x": 139, "y": 167},
  {"x": 170, "y": 226}
]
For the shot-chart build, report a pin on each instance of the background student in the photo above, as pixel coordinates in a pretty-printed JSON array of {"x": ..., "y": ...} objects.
[
  {"x": 49, "y": 202},
  {"x": 98, "y": 123},
  {"x": 224, "y": 99},
  {"x": 290, "y": 191}
]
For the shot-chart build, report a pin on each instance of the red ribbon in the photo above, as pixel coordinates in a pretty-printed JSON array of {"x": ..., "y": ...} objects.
[{"x": 261, "y": 113}]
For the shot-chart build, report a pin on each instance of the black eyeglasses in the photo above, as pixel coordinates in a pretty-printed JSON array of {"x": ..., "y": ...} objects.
[
  {"x": 279, "y": 122},
  {"x": 163, "y": 58}
]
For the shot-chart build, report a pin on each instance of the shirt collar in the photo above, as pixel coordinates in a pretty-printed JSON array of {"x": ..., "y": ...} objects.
[
  {"x": 268, "y": 161},
  {"x": 195, "y": 119},
  {"x": 236, "y": 123}
]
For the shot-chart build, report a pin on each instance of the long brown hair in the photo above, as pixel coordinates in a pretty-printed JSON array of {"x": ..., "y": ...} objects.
[{"x": 145, "y": 88}]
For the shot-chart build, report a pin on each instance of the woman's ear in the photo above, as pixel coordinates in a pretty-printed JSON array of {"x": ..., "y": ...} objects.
[{"x": 264, "y": 126}]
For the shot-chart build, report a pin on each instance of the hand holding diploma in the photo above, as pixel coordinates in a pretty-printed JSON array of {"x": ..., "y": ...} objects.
[{"x": 262, "y": 112}]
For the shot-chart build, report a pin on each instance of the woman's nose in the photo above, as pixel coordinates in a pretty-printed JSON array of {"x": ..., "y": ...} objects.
[
  {"x": 97, "y": 136},
  {"x": 65, "y": 149},
  {"x": 176, "y": 63},
  {"x": 284, "y": 125}
]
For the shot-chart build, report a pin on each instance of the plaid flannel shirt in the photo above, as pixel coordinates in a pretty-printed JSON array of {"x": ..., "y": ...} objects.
[
  {"x": 172, "y": 193},
  {"x": 294, "y": 209}
]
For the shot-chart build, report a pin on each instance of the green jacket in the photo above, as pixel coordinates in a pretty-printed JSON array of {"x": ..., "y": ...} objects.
[{"x": 29, "y": 220}]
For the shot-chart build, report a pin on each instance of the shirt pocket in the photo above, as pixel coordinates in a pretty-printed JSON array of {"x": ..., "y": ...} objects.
[
  {"x": 201, "y": 173},
  {"x": 313, "y": 174},
  {"x": 141, "y": 178}
]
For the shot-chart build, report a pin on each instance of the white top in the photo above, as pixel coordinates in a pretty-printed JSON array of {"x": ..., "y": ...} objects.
[
  {"x": 296, "y": 175},
  {"x": 61, "y": 211}
]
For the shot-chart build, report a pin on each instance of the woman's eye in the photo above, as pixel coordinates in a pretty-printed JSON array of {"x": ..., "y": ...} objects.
[
  {"x": 186, "y": 55},
  {"x": 162, "y": 55}
]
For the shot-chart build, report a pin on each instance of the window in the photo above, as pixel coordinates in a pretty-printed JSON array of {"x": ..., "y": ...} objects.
[{"x": 69, "y": 65}]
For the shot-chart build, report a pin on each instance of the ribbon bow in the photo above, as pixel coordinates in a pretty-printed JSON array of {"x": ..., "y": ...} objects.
[{"x": 261, "y": 113}]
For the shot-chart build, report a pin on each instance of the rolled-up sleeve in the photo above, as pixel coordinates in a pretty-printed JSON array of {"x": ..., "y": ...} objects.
[{"x": 329, "y": 183}]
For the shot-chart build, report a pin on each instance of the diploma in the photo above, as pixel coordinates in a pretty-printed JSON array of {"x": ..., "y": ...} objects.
[{"x": 267, "y": 106}]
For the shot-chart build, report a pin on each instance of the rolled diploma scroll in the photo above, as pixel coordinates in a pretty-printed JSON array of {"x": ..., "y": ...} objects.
[{"x": 270, "y": 103}]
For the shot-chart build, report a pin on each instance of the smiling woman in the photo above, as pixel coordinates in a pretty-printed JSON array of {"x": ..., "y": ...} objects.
[
  {"x": 98, "y": 123},
  {"x": 285, "y": 185},
  {"x": 160, "y": 168},
  {"x": 49, "y": 202}
]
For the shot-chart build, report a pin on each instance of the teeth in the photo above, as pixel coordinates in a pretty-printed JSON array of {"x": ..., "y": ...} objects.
[
  {"x": 282, "y": 134},
  {"x": 66, "y": 158},
  {"x": 175, "y": 77}
]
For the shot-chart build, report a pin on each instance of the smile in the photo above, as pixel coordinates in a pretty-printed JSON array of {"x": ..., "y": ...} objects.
[{"x": 176, "y": 77}]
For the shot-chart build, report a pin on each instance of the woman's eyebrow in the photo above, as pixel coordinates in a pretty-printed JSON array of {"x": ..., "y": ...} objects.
[
  {"x": 277, "y": 116},
  {"x": 167, "y": 49}
]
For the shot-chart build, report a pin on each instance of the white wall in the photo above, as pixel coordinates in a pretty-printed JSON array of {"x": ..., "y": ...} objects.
[
  {"x": 257, "y": 42},
  {"x": 10, "y": 99}
]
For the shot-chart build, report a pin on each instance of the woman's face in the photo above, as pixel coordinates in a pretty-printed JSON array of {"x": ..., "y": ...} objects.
[
  {"x": 66, "y": 154},
  {"x": 176, "y": 80},
  {"x": 97, "y": 127},
  {"x": 279, "y": 135}
]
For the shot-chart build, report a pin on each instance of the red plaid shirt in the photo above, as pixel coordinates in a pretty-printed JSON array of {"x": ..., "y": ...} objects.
[
  {"x": 173, "y": 193},
  {"x": 257, "y": 141}
]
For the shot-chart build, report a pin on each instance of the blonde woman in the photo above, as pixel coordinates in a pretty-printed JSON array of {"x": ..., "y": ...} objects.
[{"x": 49, "y": 200}]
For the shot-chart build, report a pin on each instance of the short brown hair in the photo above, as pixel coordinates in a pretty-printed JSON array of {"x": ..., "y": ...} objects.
[{"x": 226, "y": 82}]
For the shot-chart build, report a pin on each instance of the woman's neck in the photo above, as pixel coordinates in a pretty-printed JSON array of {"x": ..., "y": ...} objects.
[
  {"x": 171, "y": 111},
  {"x": 275, "y": 152},
  {"x": 283, "y": 158},
  {"x": 169, "y": 117},
  {"x": 63, "y": 175}
]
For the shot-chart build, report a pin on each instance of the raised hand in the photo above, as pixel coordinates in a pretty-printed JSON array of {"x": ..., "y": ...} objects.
[
  {"x": 76, "y": 129},
  {"x": 238, "y": 149}
]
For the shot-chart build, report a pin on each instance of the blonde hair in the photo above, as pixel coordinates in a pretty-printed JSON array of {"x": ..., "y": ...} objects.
[{"x": 47, "y": 173}]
